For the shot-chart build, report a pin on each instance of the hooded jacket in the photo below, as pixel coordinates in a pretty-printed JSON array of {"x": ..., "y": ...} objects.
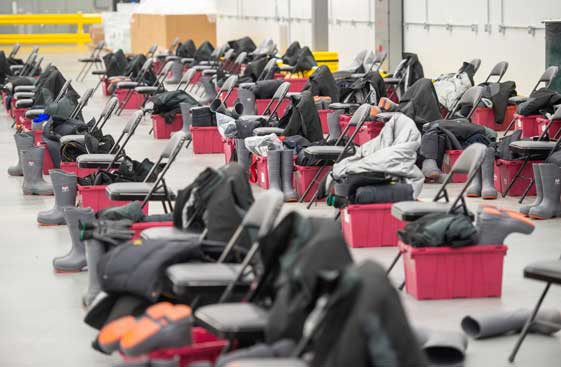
[
  {"x": 302, "y": 119},
  {"x": 322, "y": 83},
  {"x": 420, "y": 103},
  {"x": 393, "y": 152}
]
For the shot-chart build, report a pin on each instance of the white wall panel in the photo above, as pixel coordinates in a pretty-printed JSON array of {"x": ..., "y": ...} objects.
[{"x": 441, "y": 50}]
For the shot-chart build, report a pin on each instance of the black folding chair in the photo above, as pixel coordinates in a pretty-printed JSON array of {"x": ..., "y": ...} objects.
[
  {"x": 152, "y": 50},
  {"x": 528, "y": 150},
  {"x": 157, "y": 87},
  {"x": 23, "y": 70},
  {"x": 328, "y": 155},
  {"x": 131, "y": 85},
  {"x": 548, "y": 272},
  {"x": 93, "y": 60},
  {"x": 497, "y": 71},
  {"x": 544, "y": 81},
  {"x": 476, "y": 64},
  {"x": 268, "y": 70},
  {"x": 14, "y": 51},
  {"x": 471, "y": 97},
  {"x": 186, "y": 80},
  {"x": 270, "y": 112},
  {"x": 112, "y": 159},
  {"x": 152, "y": 191},
  {"x": 469, "y": 163},
  {"x": 203, "y": 283}
]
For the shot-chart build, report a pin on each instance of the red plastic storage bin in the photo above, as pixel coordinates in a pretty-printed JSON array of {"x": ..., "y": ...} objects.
[
  {"x": 37, "y": 136},
  {"x": 141, "y": 226},
  {"x": 205, "y": 348},
  {"x": 262, "y": 179},
  {"x": 229, "y": 146},
  {"x": 261, "y": 104},
  {"x": 450, "y": 157},
  {"x": 528, "y": 125},
  {"x": 553, "y": 129},
  {"x": 206, "y": 140},
  {"x": 505, "y": 171},
  {"x": 368, "y": 131},
  {"x": 370, "y": 225},
  {"x": 163, "y": 130},
  {"x": 72, "y": 167},
  {"x": 323, "y": 118},
  {"x": 94, "y": 197},
  {"x": 303, "y": 176},
  {"x": 445, "y": 272},
  {"x": 134, "y": 103},
  {"x": 296, "y": 84},
  {"x": 18, "y": 113},
  {"x": 486, "y": 117}
]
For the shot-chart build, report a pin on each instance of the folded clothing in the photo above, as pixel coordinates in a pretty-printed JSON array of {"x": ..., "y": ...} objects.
[
  {"x": 391, "y": 193},
  {"x": 203, "y": 116}
]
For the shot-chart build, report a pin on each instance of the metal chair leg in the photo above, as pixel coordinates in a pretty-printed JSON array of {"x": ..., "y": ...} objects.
[
  {"x": 528, "y": 324},
  {"x": 532, "y": 181},
  {"x": 394, "y": 262},
  {"x": 516, "y": 176}
]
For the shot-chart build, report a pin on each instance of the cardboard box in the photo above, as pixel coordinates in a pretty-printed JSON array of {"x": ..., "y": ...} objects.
[{"x": 162, "y": 29}]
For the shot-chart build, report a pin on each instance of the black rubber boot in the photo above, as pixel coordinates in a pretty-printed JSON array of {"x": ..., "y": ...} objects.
[
  {"x": 333, "y": 124},
  {"x": 94, "y": 250},
  {"x": 33, "y": 182},
  {"x": 550, "y": 207},
  {"x": 243, "y": 154},
  {"x": 64, "y": 187},
  {"x": 24, "y": 141},
  {"x": 287, "y": 162},
  {"x": 75, "y": 259},
  {"x": 539, "y": 191},
  {"x": 247, "y": 99},
  {"x": 488, "y": 191},
  {"x": 274, "y": 169}
]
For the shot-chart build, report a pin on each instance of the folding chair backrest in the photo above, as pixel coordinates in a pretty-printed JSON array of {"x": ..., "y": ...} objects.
[
  {"x": 82, "y": 102},
  {"x": 400, "y": 69},
  {"x": 14, "y": 51},
  {"x": 278, "y": 97},
  {"x": 126, "y": 135},
  {"x": 547, "y": 77},
  {"x": 356, "y": 121},
  {"x": 28, "y": 65},
  {"x": 471, "y": 97},
  {"x": 258, "y": 220},
  {"x": 36, "y": 66},
  {"x": 476, "y": 64},
  {"x": 241, "y": 58},
  {"x": 498, "y": 71},
  {"x": 162, "y": 75},
  {"x": 144, "y": 70},
  {"x": 379, "y": 59},
  {"x": 227, "y": 88},
  {"x": 176, "y": 141},
  {"x": 107, "y": 112},
  {"x": 152, "y": 50},
  {"x": 556, "y": 115},
  {"x": 186, "y": 79},
  {"x": 269, "y": 67},
  {"x": 63, "y": 90}
]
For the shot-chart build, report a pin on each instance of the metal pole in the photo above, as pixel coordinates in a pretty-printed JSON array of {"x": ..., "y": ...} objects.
[{"x": 320, "y": 25}]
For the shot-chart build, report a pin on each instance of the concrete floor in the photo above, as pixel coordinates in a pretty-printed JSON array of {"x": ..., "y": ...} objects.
[{"x": 41, "y": 314}]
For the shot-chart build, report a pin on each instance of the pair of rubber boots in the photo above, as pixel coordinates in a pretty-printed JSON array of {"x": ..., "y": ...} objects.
[
  {"x": 548, "y": 189},
  {"x": 163, "y": 325},
  {"x": 495, "y": 225},
  {"x": 65, "y": 185},
  {"x": 75, "y": 260},
  {"x": 483, "y": 185},
  {"x": 280, "y": 168},
  {"x": 30, "y": 166}
]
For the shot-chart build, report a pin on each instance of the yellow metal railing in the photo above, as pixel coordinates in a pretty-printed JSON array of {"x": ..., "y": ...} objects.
[{"x": 78, "y": 19}]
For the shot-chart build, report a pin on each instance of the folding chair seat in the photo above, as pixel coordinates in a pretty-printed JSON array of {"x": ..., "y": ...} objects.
[
  {"x": 99, "y": 72},
  {"x": 261, "y": 131},
  {"x": 234, "y": 320},
  {"x": 327, "y": 152},
  {"x": 127, "y": 85},
  {"x": 77, "y": 138},
  {"x": 146, "y": 89},
  {"x": 131, "y": 191},
  {"x": 171, "y": 233},
  {"x": 25, "y": 88},
  {"x": 90, "y": 59},
  {"x": 410, "y": 211},
  {"x": 532, "y": 147},
  {"x": 97, "y": 161},
  {"x": 207, "y": 275}
]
